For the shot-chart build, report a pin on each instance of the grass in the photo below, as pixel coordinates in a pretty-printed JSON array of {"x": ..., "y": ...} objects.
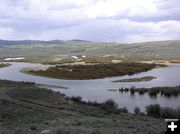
[
  {"x": 146, "y": 78},
  {"x": 93, "y": 71},
  {"x": 75, "y": 117},
  {"x": 4, "y": 65}
]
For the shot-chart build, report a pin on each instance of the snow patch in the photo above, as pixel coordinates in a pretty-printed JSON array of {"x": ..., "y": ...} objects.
[
  {"x": 14, "y": 59},
  {"x": 75, "y": 57}
]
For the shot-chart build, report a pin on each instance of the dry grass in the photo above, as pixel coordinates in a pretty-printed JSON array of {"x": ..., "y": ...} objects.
[
  {"x": 99, "y": 70},
  {"x": 4, "y": 65}
]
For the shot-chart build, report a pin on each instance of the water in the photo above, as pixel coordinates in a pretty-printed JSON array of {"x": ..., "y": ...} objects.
[{"x": 97, "y": 90}]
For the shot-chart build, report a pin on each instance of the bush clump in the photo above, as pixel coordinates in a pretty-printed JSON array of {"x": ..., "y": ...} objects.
[
  {"x": 154, "y": 91},
  {"x": 164, "y": 112},
  {"x": 76, "y": 98},
  {"x": 137, "y": 110},
  {"x": 153, "y": 110},
  {"x": 109, "y": 106}
]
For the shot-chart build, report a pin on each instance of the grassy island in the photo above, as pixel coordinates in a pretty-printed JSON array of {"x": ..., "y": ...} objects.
[
  {"x": 146, "y": 78},
  {"x": 93, "y": 71},
  {"x": 4, "y": 65}
]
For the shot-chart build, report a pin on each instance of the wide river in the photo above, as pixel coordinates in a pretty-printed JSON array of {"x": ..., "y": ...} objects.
[{"x": 97, "y": 89}]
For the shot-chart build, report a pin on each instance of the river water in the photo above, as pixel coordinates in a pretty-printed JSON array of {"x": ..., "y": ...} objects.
[{"x": 97, "y": 89}]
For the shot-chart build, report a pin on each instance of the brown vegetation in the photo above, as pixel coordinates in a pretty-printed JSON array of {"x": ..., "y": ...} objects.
[
  {"x": 93, "y": 71},
  {"x": 4, "y": 65}
]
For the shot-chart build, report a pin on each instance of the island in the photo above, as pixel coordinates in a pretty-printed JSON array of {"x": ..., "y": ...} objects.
[
  {"x": 4, "y": 65},
  {"x": 146, "y": 78},
  {"x": 93, "y": 71}
]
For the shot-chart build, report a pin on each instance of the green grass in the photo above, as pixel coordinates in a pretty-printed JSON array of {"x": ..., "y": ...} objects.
[
  {"x": 146, "y": 78},
  {"x": 93, "y": 71}
]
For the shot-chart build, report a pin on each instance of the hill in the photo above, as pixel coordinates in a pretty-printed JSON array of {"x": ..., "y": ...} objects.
[
  {"x": 57, "y": 50},
  {"x": 29, "y": 42}
]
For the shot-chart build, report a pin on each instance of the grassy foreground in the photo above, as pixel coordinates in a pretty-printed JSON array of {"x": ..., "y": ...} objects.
[
  {"x": 93, "y": 71},
  {"x": 27, "y": 109}
]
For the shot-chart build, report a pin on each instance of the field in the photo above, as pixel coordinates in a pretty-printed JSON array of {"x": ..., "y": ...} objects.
[{"x": 26, "y": 109}]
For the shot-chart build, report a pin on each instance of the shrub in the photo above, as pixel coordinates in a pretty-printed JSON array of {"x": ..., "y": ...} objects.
[
  {"x": 153, "y": 92},
  {"x": 164, "y": 112},
  {"x": 132, "y": 90},
  {"x": 142, "y": 91},
  {"x": 121, "y": 110},
  {"x": 76, "y": 98},
  {"x": 94, "y": 103},
  {"x": 153, "y": 110},
  {"x": 137, "y": 110},
  {"x": 178, "y": 112},
  {"x": 33, "y": 127},
  {"x": 96, "y": 132},
  {"x": 124, "y": 110},
  {"x": 109, "y": 106},
  {"x": 167, "y": 112}
]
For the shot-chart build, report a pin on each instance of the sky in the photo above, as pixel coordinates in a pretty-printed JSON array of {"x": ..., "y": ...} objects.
[{"x": 94, "y": 20}]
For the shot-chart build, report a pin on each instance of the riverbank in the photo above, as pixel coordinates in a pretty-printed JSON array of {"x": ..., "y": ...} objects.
[
  {"x": 95, "y": 71},
  {"x": 26, "y": 109},
  {"x": 4, "y": 65}
]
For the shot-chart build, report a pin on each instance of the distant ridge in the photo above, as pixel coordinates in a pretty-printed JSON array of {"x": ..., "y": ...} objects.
[
  {"x": 29, "y": 42},
  {"x": 33, "y": 42},
  {"x": 78, "y": 40}
]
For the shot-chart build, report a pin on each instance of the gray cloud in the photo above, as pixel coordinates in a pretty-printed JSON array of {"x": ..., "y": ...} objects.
[{"x": 98, "y": 20}]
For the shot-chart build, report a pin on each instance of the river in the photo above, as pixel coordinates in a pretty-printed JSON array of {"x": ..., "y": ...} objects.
[{"x": 97, "y": 89}]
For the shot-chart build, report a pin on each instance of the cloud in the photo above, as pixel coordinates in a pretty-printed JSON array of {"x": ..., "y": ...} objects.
[
  {"x": 97, "y": 20},
  {"x": 129, "y": 31}
]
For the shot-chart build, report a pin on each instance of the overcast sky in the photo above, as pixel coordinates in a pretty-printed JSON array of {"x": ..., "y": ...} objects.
[{"x": 95, "y": 20}]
